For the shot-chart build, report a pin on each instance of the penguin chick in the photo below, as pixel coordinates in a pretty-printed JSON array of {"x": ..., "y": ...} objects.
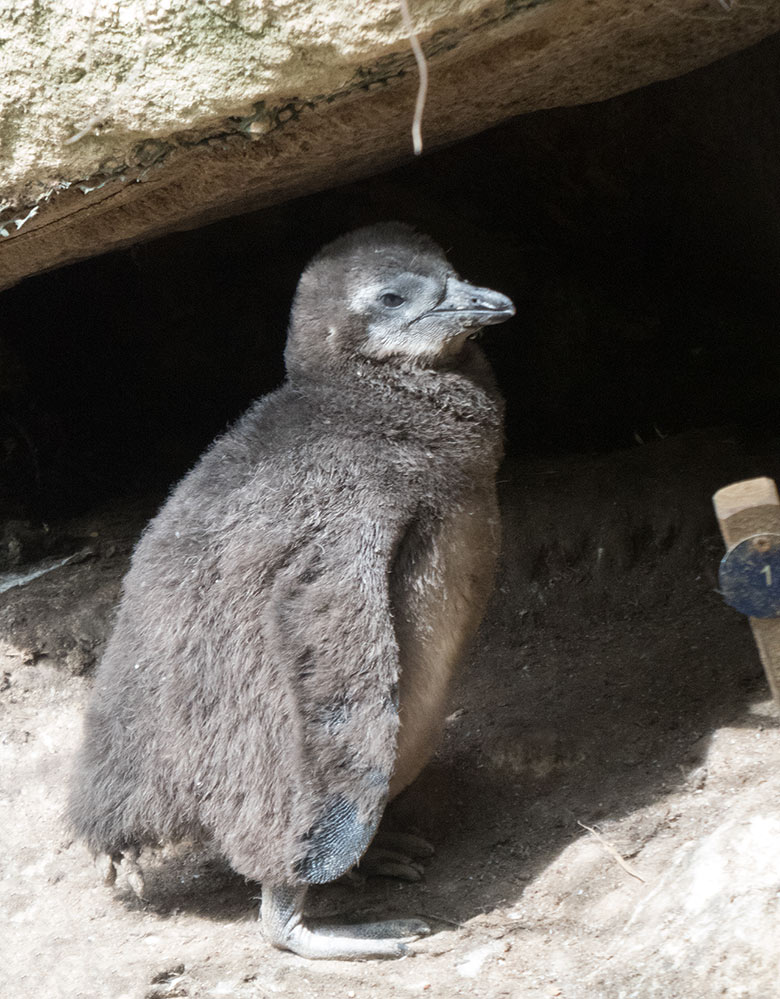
[{"x": 293, "y": 614}]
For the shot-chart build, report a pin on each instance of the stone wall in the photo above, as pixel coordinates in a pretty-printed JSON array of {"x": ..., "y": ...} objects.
[{"x": 123, "y": 121}]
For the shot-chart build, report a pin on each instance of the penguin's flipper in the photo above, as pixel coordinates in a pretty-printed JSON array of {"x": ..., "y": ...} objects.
[
  {"x": 336, "y": 620},
  {"x": 284, "y": 927},
  {"x": 330, "y": 622}
]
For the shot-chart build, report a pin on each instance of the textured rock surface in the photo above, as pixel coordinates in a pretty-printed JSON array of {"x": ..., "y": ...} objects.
[
  {"x": 713, "y": 918},
  {"x": 188, "y": 112}
]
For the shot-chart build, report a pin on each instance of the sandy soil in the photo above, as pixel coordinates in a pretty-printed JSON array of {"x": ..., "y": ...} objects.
[{"x": 610, "y": 689}]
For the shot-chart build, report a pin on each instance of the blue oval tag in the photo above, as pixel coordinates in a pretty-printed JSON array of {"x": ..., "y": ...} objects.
[{"x": 750, "y": 576}]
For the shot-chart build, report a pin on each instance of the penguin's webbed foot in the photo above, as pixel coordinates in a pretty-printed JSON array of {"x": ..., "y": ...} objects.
[
  {"x": 108, "y": 864},
  {"x": 285, "y": 927},
  {"x": 395, "y": 855}
]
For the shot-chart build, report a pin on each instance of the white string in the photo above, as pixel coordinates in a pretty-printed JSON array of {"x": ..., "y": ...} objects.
[{"x": 422, "y": 66}]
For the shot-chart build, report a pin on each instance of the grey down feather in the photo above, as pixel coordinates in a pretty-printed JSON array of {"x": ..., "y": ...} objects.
[{"x": 249, "y": 692}]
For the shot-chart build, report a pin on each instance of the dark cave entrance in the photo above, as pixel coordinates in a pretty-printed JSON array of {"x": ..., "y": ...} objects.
[{"x": 639, "y": 238}]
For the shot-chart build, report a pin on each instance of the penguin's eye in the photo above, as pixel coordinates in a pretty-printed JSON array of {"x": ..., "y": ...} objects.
[{"x": 391, "y": 300}]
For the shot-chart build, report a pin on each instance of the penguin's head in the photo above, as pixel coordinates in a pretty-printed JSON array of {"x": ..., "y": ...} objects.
[{"x": 388, "y": 294}]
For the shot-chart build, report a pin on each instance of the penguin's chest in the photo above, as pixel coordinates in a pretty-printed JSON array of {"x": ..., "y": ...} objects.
[{"x": 443, "y": 581}]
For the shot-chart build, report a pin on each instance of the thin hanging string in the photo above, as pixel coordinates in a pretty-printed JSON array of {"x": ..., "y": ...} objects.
[{"x": 422, "y": 66}]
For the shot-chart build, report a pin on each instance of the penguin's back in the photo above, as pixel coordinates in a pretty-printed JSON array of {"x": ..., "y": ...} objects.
[
  {"x": 222, "y": 706},
  {"x": 250, "y": 691}
]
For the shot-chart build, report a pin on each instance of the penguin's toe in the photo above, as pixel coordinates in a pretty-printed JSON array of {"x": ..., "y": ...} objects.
[
  {"x": 395, "y": 855},
  {"x": 379, "y": 862},
  {"x": 406, "y": 843}
]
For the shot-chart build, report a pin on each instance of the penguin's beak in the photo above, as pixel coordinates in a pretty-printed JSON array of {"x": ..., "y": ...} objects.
[{"x": 476, "y": 306}]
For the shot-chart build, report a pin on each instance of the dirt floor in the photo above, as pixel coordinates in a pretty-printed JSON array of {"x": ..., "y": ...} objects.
[{"x": 610, "y": 689}]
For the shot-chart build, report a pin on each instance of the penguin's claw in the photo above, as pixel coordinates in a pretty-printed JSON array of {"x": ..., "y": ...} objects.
[{"x": 106, "y": 866}]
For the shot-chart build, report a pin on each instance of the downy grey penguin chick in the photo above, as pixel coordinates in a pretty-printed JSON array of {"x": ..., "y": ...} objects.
[{"x": 291, "y": 618}]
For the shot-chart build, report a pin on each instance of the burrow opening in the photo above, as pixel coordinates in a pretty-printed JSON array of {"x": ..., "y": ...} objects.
[{"x": 639, "y": 237}]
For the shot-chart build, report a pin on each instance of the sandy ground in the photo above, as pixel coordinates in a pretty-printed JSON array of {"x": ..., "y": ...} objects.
[{"x": 610, "y": 689}]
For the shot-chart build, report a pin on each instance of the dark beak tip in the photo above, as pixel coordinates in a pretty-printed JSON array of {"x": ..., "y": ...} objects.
[
  {"x": 500, "y": 313},
  {"x": 499, "y": 304}
]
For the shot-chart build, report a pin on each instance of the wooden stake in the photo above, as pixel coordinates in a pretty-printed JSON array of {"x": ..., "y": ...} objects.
[{"x": 744, "y": 510}]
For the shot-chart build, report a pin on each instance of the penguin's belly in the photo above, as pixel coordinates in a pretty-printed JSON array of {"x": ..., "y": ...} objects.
[{"x": 441, "y": 589}]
